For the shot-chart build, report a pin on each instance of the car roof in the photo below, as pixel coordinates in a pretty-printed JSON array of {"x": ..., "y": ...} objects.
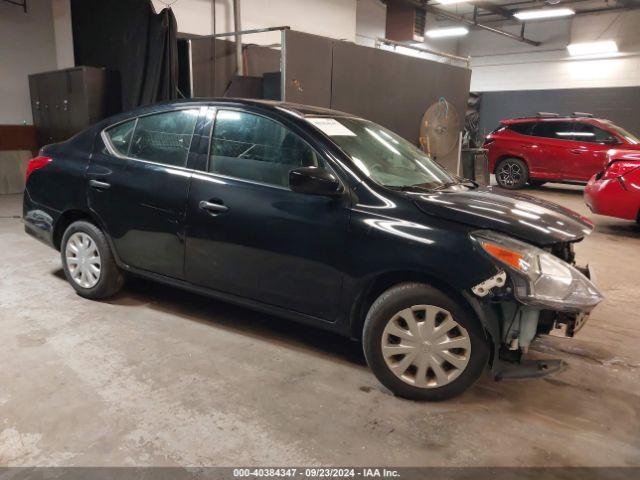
[
  {"x": 542, "y": 118},
  {"x": 294, "y": 108}
]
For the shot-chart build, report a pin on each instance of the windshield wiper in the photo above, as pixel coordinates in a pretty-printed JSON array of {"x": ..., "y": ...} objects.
[
  {"x": 459, "y": 181},
  {"x": 446, "y": 185}
]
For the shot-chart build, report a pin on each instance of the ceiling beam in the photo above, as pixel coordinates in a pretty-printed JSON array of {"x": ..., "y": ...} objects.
[
  {"x": 473, "y": 23},
  {"x": 494, "y": 8},
  {"x": 460, "y": 19}
]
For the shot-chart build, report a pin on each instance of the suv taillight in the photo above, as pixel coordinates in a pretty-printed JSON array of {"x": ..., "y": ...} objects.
[
  {"x": 619, "y": 168},
  {"x": 488, "y": 141},
  {"x": 36, "y": 164}
]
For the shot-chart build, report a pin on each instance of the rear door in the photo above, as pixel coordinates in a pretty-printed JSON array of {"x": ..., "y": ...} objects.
[
  {"x": 138, "y": 187},
  {"x": 554, "y": 142},
  {"x": 249, "y": 235},
  {"x": 590, "y": 151}
]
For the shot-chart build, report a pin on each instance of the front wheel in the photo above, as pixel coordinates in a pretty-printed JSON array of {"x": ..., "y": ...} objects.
[
  {"x": 512, "y": 173},
  {"x": 88, "y": 262},
  {"x": 423, "y": 345}
]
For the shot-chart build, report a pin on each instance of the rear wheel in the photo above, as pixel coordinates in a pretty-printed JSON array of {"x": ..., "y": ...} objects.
[
  {"x": 423, "y": 345},
  {"x": 512, "y": 173},
  {"x": 88, "y": 263}
]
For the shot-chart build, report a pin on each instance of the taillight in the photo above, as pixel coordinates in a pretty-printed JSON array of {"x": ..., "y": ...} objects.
[
  {"x": 488, "y": 140},
  {"x": 619, "y": 168},
  {"x": 36, "y": 164}
]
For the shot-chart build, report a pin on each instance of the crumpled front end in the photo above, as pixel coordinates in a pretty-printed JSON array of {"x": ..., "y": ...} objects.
[{"x": 536, "y": 291}]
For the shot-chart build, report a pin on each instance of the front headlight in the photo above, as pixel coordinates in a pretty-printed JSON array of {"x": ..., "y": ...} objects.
[{"x": 539, "y": 278}]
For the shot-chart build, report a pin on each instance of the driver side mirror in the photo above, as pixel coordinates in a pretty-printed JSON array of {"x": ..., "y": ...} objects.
[
  {"x": 611, "y": 141},
  {"x": 314, "y": 181}
]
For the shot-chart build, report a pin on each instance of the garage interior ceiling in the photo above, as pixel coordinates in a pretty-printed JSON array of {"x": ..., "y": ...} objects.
[
  {"x": 501, "y": 10},
  {"x": 488, "y": 15}
]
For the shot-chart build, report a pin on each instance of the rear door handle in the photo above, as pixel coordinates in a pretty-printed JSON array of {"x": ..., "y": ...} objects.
[
  {"x": 213, "y": 208},
  {"x": 578, "y": 150},
  {"x": 97, "y": 184}
]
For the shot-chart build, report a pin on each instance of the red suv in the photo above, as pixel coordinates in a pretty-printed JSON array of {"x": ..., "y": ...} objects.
[{"x": 549, "y": 147}]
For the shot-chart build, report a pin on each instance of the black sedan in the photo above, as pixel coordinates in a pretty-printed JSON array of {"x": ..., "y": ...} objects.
[{"x": 320, "y": 217}]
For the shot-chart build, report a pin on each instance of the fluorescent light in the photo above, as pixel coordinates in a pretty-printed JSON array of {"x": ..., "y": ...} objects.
[
  {"x": 592, "y": 48},
  {"x": 543, "y": 13},
  {"x": 447, "y": 32}
]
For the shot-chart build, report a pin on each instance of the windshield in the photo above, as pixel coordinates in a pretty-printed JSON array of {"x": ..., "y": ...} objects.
[
  {"x": 382, "y": 155},
  {"x": 629, "y": 137}
]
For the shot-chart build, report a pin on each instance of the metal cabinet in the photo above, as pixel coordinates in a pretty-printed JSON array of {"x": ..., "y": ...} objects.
[{"x": 65, "y": 102}]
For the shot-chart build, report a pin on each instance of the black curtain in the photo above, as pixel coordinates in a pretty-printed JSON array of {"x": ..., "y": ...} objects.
[{"x": 129, "y": 37}]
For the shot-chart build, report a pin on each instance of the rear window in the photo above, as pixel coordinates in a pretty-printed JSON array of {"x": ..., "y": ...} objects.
[
  {"x": 558, "y": 130},
  {"x": 164, "y": 137},
  {"x": 120, "y": 136},
  {"x": 523, "y": 128}
]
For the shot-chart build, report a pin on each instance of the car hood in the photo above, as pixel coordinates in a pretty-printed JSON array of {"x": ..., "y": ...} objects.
[{"x": 528, "y": 218}]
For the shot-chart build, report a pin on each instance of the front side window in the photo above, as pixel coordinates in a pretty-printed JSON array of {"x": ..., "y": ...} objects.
[
  {"x": 552, "y": 129},
  {"x": 585, "y": 132},
  {"x": 253, "y": 147},
  {"x": 380, "y": 154},
  {"x": 120, "y": 136},
  {"x": 164, "y": 137},
  {"x": 629, "y": 137}
]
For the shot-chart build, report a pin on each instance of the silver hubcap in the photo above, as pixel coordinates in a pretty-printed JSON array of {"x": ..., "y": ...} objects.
[
  {"x": 425, "y": 347},
  {"x": 83, "y": 260},
  {"x": 510, "y": 173}
]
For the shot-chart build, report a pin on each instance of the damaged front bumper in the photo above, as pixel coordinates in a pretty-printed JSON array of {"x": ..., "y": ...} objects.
[{"x": 520, "y": 324}]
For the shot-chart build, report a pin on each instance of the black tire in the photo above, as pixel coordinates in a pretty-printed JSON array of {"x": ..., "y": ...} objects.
[
  {"x": 110, "y": 279},
  {"x": 407, "y": 295},
  {"x": 512, "y": 173},
  {"x": 536, "y": 183}
]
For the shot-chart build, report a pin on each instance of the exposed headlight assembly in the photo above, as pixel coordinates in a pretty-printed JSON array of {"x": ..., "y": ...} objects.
[{"x": 540, "y": 278}]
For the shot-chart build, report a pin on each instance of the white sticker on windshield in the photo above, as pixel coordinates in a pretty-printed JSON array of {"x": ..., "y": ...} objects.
[{"x": 331, "y": 127}]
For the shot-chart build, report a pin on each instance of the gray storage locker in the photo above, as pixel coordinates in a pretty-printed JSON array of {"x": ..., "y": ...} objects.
[{"x": 65, "y": 102}]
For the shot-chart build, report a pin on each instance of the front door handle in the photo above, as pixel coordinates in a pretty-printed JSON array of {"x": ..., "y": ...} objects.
[
  {"x": 578, "y": 150},
  {"x": 97, "y": 184},
  {"x": 213, "y": 208}
]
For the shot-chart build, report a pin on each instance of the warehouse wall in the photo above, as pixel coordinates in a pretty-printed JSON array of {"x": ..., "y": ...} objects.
[
  {"x": 502, "y": 64},
  {"x": 621, "y": 105},
  {"x": 330, "y": 18},
  {"x": 371, "y": 20},
  {"x": 26, "y": 46},
  {"x": 61, "y": 10}
]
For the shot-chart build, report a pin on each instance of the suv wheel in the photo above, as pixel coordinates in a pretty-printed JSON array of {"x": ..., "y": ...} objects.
[
  {"x": 512, "y": 173},
  {"x": 423, "y": 345},
  {"x": 88, "y": 262}
]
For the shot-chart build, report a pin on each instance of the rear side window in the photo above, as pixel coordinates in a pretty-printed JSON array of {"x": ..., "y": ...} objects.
[
  {"x": 585, "y": 132},
  {"x": 253, "y": 147},
  {"x": 164, "y": 137},
  {"x": 120, "y": 136},
  {"x": 557, "y": 130},
  {"x": 523, "y": 128}
]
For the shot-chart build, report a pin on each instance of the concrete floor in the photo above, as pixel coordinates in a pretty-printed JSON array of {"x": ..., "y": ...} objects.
[{"x": 161, "y": 377}]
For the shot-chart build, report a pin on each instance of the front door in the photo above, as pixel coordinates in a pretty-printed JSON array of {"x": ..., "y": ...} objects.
[
  {"x": 249, "y": 235},
  {"x": 590, "y": 151},
  {"x": 138, "y": 187}
]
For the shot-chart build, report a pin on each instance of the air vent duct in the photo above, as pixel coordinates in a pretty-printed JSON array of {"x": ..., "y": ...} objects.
[{"x": 405, "y": 23}]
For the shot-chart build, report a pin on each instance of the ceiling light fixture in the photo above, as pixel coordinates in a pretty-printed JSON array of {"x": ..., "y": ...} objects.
[
  {"x": 592, "y": 48},
  {"x": 447, "y": 32},
  {"x": 451, "y": 2},
  {"x": 543, "y": 13}
]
